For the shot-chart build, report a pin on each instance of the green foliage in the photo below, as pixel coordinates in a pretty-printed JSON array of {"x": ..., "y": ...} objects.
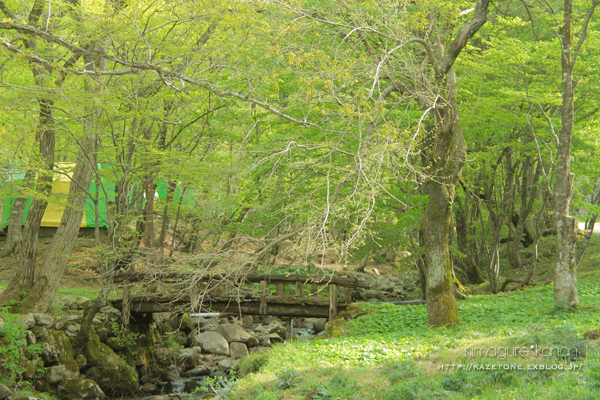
[
  {"x": 13, "y": 345},
  {"x": 125, "y": 339},
  {"x": 289, "y": 379}
]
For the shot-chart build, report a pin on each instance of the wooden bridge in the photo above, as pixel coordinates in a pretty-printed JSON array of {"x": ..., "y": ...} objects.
[{"x": 234, "y": 295}]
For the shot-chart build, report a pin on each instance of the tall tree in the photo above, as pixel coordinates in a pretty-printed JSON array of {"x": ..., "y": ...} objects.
[{"x": 565, "y": 275}]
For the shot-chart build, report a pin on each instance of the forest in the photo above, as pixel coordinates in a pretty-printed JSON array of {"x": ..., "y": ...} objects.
[{"x": 450, "y": 142}]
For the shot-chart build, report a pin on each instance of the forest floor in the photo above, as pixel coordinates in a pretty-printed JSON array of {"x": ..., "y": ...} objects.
[{"x": 513, "y": 345}]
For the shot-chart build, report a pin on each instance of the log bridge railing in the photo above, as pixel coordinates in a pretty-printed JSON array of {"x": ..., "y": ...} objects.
[{"x": 234, "y": 295}]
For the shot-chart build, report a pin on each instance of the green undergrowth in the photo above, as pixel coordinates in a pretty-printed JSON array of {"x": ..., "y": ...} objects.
[{"x": 514, "y": 345}]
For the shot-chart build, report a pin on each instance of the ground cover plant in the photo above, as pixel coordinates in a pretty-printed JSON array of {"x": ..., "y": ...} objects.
[{"x": 392, "y": 353}]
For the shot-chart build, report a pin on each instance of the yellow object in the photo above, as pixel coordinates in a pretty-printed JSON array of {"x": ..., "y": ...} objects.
[{"x": 58, "y": 201}]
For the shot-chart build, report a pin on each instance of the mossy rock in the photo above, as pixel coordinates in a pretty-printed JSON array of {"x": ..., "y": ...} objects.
[
  {"x": 185, "y": 325},
  {"x": 62, "y": 343},
  {"x": 79, "y": 389},
  {"x": 112, "y": 374},
  {"x": 70, "y": 364},
  {"x": 34, "y": 369},
  {"x": 333, "y": 328}
]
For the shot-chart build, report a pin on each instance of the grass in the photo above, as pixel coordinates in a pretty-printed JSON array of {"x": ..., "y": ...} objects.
[{"x": 392, "y": 353}]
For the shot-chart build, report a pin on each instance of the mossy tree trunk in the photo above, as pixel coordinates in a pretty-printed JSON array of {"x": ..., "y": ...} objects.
[
  {"x": 565, "y": 273},
  {"x": 446, "y": 157}
]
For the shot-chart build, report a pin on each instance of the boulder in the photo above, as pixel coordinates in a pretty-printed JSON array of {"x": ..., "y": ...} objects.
[
  {"x": 72, "y": 328},
  {"x": 56, "y": 374},
  {"x": 277, "y": 327},
  {"x": 41, "y": 334},
  {"x": 319, "y": 324},
  {"x": 185, "y": 325},
  {"x": 213, "y": 343},
  {"x": 200, "y": 370},
  {"x": 252, "y": 342},
  {"x": 79, "y": 389},
  {"x": 112, "y": 374},
  {"x": 82, "y": 302},
  {"x": 233, "y": 333},
  {"x": 189, "y": 358},
  {"x": 30, "y": 337},
  {"x": 275, "y": 338},
  {"x": 238, "y": 350},
  {"x": 111, "y": 312},
  {"x": 247, "y": 321},
  {"x": 68, "y": 301},
  {"x": 43, "y": 320},
  {"x": 4, "y": 392},
  {"x": 27, "y": 320},
  {"x": 148, "y": 388},
  {"x": 190, "y": 386},
  {"x": 226, "y": 363}
]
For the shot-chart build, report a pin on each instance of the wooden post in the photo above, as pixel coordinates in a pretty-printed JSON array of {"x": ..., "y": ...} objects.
[
  {"x": 298, "y": 288},
  {"x": 289, "y": 328},
  {"x": 264, "y": 288},
  {"x": 333, "y": 301},
  {"x": 280, "y": 289},
  {"x": 313, "y": 288},
  {"x": 126, "y": 302},
  {"x": 347, "y": 295}
]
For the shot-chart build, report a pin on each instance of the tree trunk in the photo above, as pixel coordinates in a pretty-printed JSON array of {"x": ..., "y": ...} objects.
[
  {"x": 23, "y": 280},
  {"x": 41, "y": 296},
  {"x": 14, "y": 236},
  {"x": 447, "y": 160}
]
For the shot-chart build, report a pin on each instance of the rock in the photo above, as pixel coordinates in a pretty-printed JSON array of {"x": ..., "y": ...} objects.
[
  {"x": 269, "y": 319},
  {"x": 252, "y": 342},
  {"x": 74, "y": 317},
  {"x": 213, "y": 342},
  {"x": 82, "y": 302},
  {"x": 373, "y": 294},
  {"x": 247, "y": 321},
  {"x": 191, "y": 385},
  {"x": 56, "y": 374},
  {"x": 200, "y": 370},
  {"x": 79, "y": 389},
  {"x": 30, "y": 337},
  {"x": 111, "y": 312},
  {"x": 34, "y": 369},
  {"x": 259, "y": 350},
  {"x": 319, "y": 324},
  {"x": 42, "y": 386},
  {"x": 278, "y": 328},
  {"x": 275, "y": 338},
  {"x": 4, "y": 392},
  {"x": 198, "y": 321},
  {"x": 164, "y": 327},
  {"x": 27, "y": 320},
  {"x": 43, "y": 320},
  {"x": 148, "y": 388},
  {"x": 185, "y": 325},
  {"x": 106, "y": 368},
  {"x": 59, "y": 322},
  {"x": 41, "y": 334},
  {"x": 264, "y": 341},
  {"x": 238, "y": 350},
  {"x": 218, "y": 374},
  {"x": 171, "y": 373},
  {"x": 233, "y": 333},
  {"x": 72, "y": 328},
  {"x": 68, "y": 301},
  {"x": 189, "y": 358},
  {"x": 226, "y": 363}
]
